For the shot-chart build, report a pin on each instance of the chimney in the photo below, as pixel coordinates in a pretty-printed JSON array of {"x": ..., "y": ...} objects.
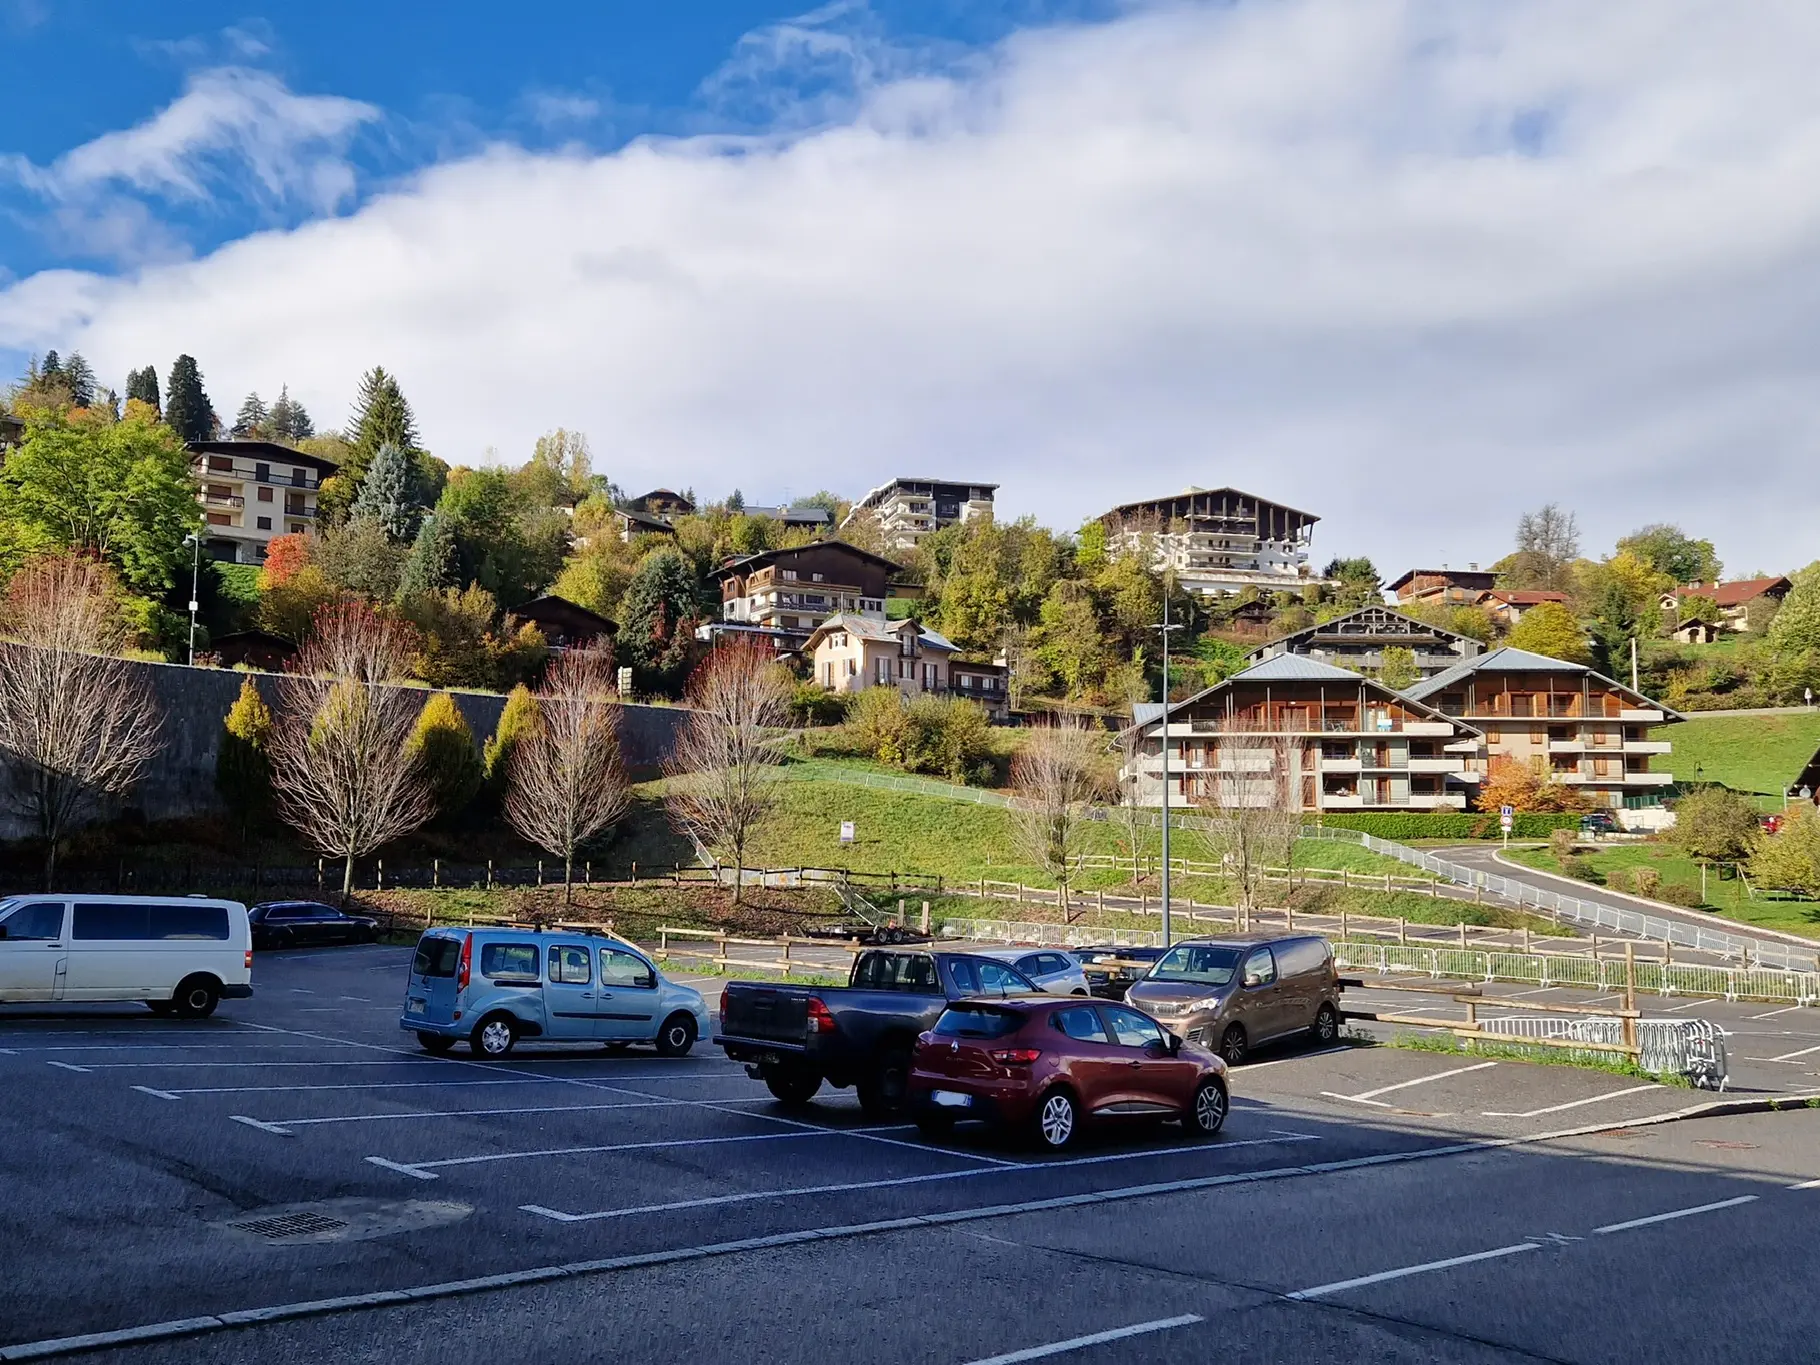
[{"x": 1473, "y": 566}]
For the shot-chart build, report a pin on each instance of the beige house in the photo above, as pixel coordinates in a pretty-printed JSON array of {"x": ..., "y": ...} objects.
[
  {"x": 251, "y": 491},
  {"x": 1566, "y": 722},
  {"x": 852, "y": 652}
]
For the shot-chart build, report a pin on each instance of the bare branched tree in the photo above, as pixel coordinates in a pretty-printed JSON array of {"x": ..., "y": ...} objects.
[
  {"x": 1248, "y": 799},
  {"x": 1058, "y": 774},
  {"x": 565, "y": 780},
  {"x": 723, "y": 773},
  {"x": 77, "y": 723},
  {"x": 343, "y": 770}
]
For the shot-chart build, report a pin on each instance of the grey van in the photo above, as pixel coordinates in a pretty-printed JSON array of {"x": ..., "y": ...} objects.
[{"x": 1232, "y": 994}]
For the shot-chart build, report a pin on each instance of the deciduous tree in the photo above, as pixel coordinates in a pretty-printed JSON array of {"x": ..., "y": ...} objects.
[
  {"x": 1060, "y": 771},
  {"x": 723, "y": 772},
  {"x": 1548, "y": 542},
  {"x": 77, "y": 725},
  {"x": 1715, "y": 824},
  {"x": 566, "y": 784},
  {"x": 1550, "y": 629},
  {"x": 243, "y": 762},
  {"x": 1251, "y": 811},
  {"x": 1789, "y": 859}
]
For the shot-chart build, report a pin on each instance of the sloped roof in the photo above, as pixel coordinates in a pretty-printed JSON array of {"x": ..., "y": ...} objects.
[
  {"x": 742, "y": 562},
  {"x": 270, "y": 451},
  {"x": 1460, "y": 574},
  {"x": 1733, "y": 594},
  {"x": 1526, "y": 597},
  {"x": 1505, "y": 659},
  {"x": 1294, "y": 668},
  {"x": 1337, "y": 626},
  {"x": 871, "y": 628}
]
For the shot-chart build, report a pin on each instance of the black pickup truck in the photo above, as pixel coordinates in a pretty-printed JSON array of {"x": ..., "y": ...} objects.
[{"x": 793, "y": 1038}]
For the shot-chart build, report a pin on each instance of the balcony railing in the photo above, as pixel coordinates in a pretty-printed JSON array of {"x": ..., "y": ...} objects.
[{"x": 223, "y": 500}]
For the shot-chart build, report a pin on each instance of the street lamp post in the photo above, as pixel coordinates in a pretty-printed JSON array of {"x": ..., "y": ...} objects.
[
  {"x": 1165, "y": 628},
  {"x": 194, "y": 540}
]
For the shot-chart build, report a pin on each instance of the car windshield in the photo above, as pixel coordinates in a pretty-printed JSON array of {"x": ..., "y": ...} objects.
[
  {"x": 977, "y": 1021},
  {"x": 1204, "y": 964}
]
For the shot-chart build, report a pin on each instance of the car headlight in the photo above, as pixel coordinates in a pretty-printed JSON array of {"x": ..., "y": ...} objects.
[{"x": 1211, "y": 1003}]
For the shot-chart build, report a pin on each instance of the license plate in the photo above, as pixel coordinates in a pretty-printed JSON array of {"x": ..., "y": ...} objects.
[
  {"x": 950, "y": 1099},
  {"x": 413, "y": 1007}
]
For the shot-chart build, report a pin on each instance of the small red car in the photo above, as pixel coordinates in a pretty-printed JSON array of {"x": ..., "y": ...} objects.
[{"x": 1048, "y": 1065}]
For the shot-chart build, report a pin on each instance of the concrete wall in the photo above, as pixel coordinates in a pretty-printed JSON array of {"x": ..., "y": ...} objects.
[{"x": 195, "y": 701}]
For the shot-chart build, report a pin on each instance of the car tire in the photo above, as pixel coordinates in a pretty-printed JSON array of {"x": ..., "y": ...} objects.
[
  {"x": 882, "y": 1093},
  {"x": 196, "y": 997},
  {"x": 1234, "y": 1046},
  {"x": 1207, "y": 1111},
  {"x": 1057, "y": 1120},
  {"x": 436, "y": 1044},
  {"x": 1326, "y": 1027},
  {"x": 494, "y": 1037},
  {"x": 677, "y": 1036},
  {"x": 792, "y": 1087}
]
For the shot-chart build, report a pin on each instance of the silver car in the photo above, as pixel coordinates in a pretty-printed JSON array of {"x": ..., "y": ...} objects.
[{"x": 1057, "y": 972}]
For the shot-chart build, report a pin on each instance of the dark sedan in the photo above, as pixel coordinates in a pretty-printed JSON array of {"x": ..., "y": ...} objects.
[
  {"x": 1049, "y": 1066},
  {"x": 306, "y": 924}
]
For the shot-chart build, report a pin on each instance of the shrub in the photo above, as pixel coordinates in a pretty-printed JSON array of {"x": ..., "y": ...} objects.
[
  {"x": 951, "y": 737},
  {"x": 1684, "y": 894},
  {"x": 813, "y": 704},
  {"x": 1645, "y": 882},
  {"x": 516, "y": 721},
  {"x": 444, "y": 746},
  {"x": 1715, "y": 823},
  {"x": 1581, "y": 869},
  {"x": 243, "y": 767},
  {"x": 876, "y": 718},
  {"x": 1561, "y": 844}
]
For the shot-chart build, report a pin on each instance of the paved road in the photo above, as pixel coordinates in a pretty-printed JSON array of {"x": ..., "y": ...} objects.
[{"x": 674, "y": 1212}]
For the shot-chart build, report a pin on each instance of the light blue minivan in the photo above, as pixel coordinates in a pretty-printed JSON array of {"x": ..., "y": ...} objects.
[{"x": 493, "y": 987}]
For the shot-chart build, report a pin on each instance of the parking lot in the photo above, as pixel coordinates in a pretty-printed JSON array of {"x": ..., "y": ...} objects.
[{"x": 299, "y": 1148}]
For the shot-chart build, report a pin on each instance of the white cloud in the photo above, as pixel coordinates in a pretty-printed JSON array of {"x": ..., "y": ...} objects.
[
  {"x": 558, "y": 108},
  {"x": 234, "y": 130},
  {"x": 1413, "y": 266}
]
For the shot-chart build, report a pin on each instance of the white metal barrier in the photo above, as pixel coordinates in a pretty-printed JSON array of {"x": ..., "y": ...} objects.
[{"x": 1694, "y": 1048}]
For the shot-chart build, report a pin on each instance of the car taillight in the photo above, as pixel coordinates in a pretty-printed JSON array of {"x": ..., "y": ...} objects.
[
  {"x": 820, "y": 1020},
  {"x": 249, "y": 959},
  {"x": 467, "y": 963},
  {"x": 1016, "y": 1056},
  {"x": 723, "y": 1004}
]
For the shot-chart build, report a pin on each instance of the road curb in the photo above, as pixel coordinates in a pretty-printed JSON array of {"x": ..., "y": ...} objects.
[{"x": 56, "y": 1347}]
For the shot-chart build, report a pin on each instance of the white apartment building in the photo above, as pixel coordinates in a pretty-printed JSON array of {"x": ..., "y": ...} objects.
[
  {"x": 251, "y": 491},
  {"x": 1218, "y": 539},
  {"x": 909, "y": 509}
]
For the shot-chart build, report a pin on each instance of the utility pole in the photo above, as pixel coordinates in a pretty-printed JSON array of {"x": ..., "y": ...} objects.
[
  {"x": 195, "y": 574},
  {"x": 1165, "y": 628},
  {"x": 1633, "y": 665}
]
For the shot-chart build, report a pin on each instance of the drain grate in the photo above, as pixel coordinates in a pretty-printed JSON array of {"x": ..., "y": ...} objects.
[{"x": 290, "y": 1225}]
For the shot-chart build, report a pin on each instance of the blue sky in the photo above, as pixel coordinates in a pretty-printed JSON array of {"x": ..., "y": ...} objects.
[
  {"x": 543, "y": 75},
  {"x": 1416, "y": 266}
]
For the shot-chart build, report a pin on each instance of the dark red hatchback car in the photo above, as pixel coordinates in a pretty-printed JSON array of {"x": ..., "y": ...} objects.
[{"x": 1048, "y": 1065}]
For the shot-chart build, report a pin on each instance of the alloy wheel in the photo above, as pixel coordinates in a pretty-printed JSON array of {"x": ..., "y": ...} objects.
[
  {"x": 1210, "y": 1109},
  {"x": 1057, "y": 1121},
  {"x": 496, "y": 1038}
]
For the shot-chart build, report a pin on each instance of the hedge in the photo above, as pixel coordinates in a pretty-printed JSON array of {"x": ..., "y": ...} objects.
[{"x": 1402, "y": 826}]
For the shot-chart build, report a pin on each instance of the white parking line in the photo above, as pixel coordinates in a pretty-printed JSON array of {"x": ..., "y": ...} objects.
[
  {"x": 423, "y": 1169},
  {"x": 845, "y": 1187},
  {"x": 1370, "y": 1096},
  {"x": 490, "y": 1113},
  {"x": 1403, "y": 1272},
  {"x": 1299, "y": 1057},
  {"x": 1790, "y": 1009},
  {"x": 349, "y": 1085},
  {"x": 1678, "y": 1213},
  {"x": 1691, "y": 1004},
  {"x": 68, "y": 1066},
  {"x": 152, "y": 1047},
  {"x": 1056, "y": 1348},
  {"x": 1571, "y": 1104},
  {"x": 1807, "y": 1185},
  {"x": 224, "y": 1066},
  {"x": 1790, "y": 1056},
  {"x": 155, "y": 1094}
]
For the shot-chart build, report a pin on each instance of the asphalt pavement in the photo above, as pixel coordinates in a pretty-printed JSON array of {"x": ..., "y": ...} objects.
[{"x": 1369, "y": 1203}]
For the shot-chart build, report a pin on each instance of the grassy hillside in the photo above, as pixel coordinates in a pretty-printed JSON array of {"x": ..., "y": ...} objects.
[
  {"x": 1759, "y": 754},
  {"x": 1726, "y": 896}
]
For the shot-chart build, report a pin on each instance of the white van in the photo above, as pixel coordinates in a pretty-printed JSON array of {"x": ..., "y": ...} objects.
[{"x": 181, "y": 955}]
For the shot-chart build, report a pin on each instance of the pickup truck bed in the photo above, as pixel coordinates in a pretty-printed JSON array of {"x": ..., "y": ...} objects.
[{"x": 795, "y": 1038}]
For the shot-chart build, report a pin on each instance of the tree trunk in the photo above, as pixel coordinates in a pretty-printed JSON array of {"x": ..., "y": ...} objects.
[
  {"x": 347, "y": 878},
  {"x": 50, "y": 864},
  {"x": 568, "y": 879}
]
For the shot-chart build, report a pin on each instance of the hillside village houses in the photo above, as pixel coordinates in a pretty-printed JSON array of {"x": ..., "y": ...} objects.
[
  {"x": 1735, "y": 601},
  {"x": 909, "y": 509},
  {"x": 1218, "y": 540},
  {"x": 783, "y": 595},
  {"x": 1358, "y": 640},
  {"x": 251, "y": 491}
]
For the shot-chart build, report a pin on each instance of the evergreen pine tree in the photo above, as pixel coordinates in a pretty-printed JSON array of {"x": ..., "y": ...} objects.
[
  {"x": 431, "y": 566},
  {"x": 385, "y": 494},
  {"x": 52, "y": 368},
  {"x": 657, "y": 618},
  {"x": 80, "y": 380},
  {"x": 143, "y": 385},
  {"x": 243, "y": 770},
  {"x": 736, "y": 501},
  {"x": 187, "y": 409},
  {"x": 446, "y": 755},
  {"x": 289, "y": 421},
  {"x": 383, "y": 417},
  {"x": 254, "y": 419}
]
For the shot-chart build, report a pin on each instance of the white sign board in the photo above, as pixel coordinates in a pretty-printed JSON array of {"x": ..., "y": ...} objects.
[
  {"x": 846, "y": 831},
  {"x": 1507, "y": 817},
  {"x": 625, "y": 682}
]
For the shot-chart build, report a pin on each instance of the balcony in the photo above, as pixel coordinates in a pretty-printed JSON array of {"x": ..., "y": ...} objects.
[
  {"x": 301, "y": 513},
  {"x": 1647, "y": 715},
  {"x": 1434, "y": 765},
  {"x": 1341, "y": 765},
  {"x": 1566, "y": 746},
  {"x": 223, "y": 500},
  {"x": 1648, "y": 779},
  {"x": 1648, "y": 746},
  {"x": 1427, "y": 727},
  {"x": 1332, "y": 802}
]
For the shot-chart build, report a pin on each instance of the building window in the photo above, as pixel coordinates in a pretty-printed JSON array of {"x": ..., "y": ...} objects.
[
  {"x": 262, "y": 472},
  {"x": 931, "y": 677},
  {"x": 297, "y": 477},
  {"x": 966, "y": 682},
  {"x": 265, "y": 495},
  {"x": 884, "y": 670},
  {"x": 265, "y": 523},
  {"x": 789, "y": 574},
  {"x": 221, "y": 464},
  {"x": 220, "y": 519}
]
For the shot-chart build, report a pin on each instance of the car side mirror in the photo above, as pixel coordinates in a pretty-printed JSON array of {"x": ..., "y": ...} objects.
[
  {"x": 1156, "y": 1050},
  {"x": 1172, "y": 1041},
  {"x": 647, "y": 981},
  {"x": 1253, "y": 979}
]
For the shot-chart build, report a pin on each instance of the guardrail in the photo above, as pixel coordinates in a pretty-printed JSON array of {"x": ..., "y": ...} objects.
[{"x": 1594, "y": 914}]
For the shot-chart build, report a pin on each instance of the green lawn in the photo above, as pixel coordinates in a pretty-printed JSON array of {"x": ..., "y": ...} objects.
[
  {"x": 1726, "y": 897},
  {"x": 1760, "y": 754}
]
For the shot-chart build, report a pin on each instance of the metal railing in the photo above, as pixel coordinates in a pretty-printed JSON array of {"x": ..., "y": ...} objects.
[
  {"x": 1694, "y": 1048},
  {"x": 1740, "y": 947}
]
